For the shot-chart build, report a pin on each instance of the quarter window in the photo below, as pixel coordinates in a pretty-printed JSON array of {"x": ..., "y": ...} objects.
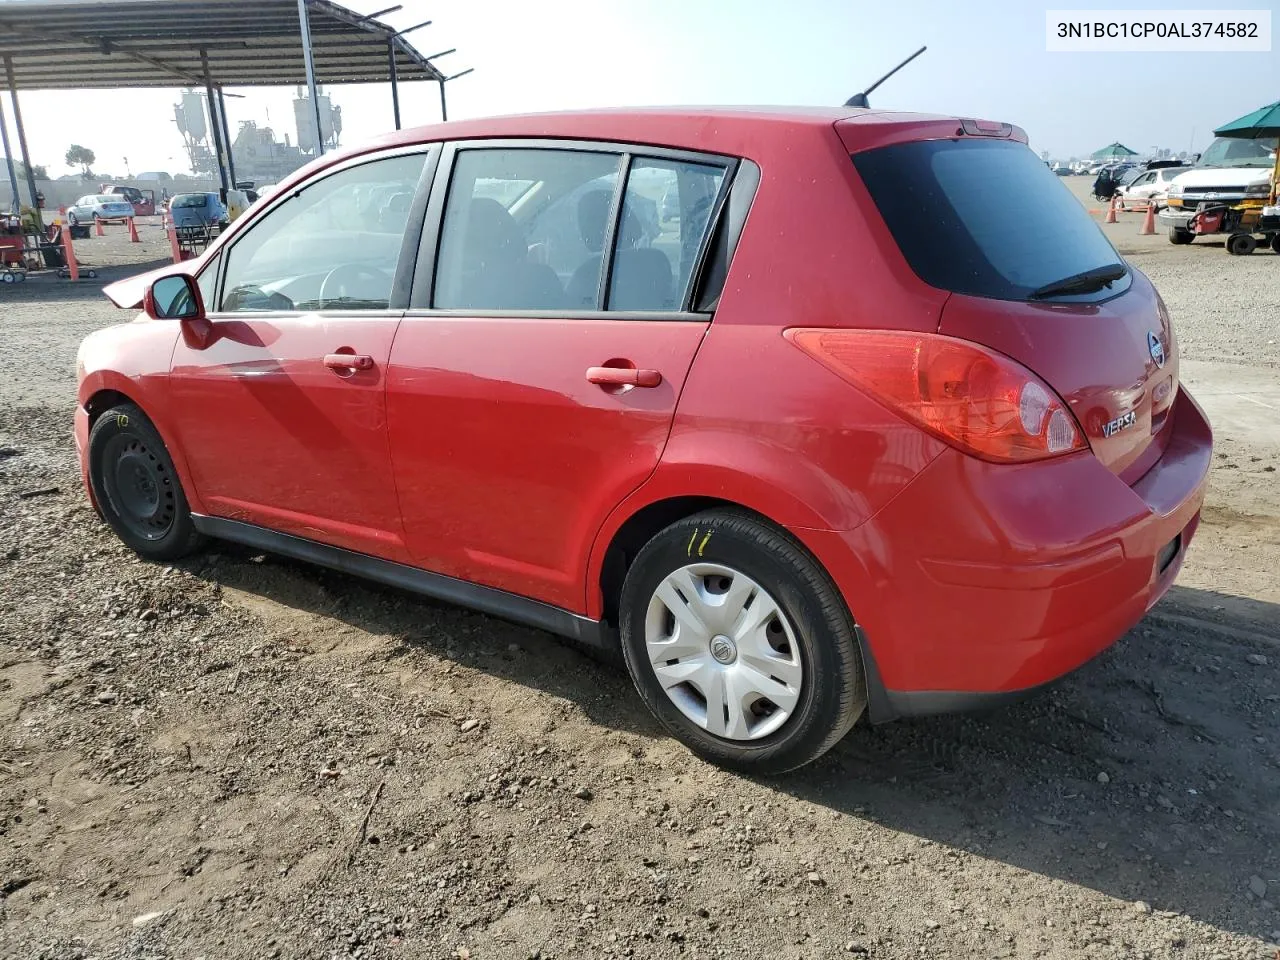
[
  {"x": 207, "y": 282},
  {"x": 333, "y": 245}
]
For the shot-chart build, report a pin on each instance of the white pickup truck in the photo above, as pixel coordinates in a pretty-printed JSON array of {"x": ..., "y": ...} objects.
[{"x": 1230, "y": 171}]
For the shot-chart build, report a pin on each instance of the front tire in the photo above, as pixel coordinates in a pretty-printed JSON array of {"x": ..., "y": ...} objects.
[
  {"x": 740, "y": 643},
  {"x": 137, "y": 487},
  {"x": 1177, "y": 236}
]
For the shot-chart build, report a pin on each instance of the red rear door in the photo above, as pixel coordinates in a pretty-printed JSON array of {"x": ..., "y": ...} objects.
[{"x": 534, "y": 386}]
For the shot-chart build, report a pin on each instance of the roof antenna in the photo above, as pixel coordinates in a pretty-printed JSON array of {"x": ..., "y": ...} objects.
[{"x": 860, "y": 99}]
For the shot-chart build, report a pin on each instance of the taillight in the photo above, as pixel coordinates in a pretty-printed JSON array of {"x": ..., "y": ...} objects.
[{"x": 971, "y": 397}]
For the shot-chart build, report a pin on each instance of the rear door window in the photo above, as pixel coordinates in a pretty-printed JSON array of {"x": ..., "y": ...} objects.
[
  {"x": 984, "y": 217},
  {"x": 525, "y": 229}
]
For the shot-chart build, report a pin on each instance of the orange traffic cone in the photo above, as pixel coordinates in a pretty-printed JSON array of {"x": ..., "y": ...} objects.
[
  {"x": 173, "y": 240},
  {"x": 97, "y": 225},
  {"x": 1111, "y": 210},
  {"x": 1149, "y": 224},
  {"x": 69, "y": 253},
  {"x": 133, "y": 232}
]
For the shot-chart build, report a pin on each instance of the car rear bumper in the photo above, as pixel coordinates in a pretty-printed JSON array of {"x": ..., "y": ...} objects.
[{"x": 981, "y": 582}]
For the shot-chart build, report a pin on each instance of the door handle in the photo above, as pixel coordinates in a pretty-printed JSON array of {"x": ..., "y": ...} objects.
[
  {"x": 623, "y": 377},
  {"x": 348, "y": 361}
]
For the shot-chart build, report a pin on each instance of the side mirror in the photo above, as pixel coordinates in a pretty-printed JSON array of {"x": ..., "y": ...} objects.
[{"x": 175, "y": 297}]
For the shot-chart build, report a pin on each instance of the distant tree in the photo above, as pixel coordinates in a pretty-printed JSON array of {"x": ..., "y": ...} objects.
[
  {"x": 82, "y": 157},
  {"x": 20, "y": 169}
]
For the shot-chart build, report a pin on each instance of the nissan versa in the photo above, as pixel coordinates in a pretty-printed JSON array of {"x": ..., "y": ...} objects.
[{"x": 811, "y": 413}]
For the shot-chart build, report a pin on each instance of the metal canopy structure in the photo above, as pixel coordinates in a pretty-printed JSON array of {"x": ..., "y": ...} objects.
[
  {"x": 84, "y": 44},
  {"x": 121, "y": 44}
]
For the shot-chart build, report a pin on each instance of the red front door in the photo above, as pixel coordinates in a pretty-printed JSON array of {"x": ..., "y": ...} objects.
[
  {"x": 508, "y": 449},
  {"x": 281, "y": 429}
]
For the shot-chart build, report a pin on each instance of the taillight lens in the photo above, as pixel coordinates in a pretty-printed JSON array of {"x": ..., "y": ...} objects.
[{"x": 973, "y": 398}]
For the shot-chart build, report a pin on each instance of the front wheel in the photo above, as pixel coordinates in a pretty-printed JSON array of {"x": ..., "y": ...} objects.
[
  {"x": 71, "y": 218},
  {"x": 137, "y": 487},
  {"x": 740, "y": 644},
  {"x": 1177, "y": 236},
  {"x": 1275, "y": 242}
]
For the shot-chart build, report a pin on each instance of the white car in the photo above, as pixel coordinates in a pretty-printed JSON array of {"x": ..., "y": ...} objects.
[
  {"x": 1152, "y": 186},
  {"x": 100, "y": 206}
]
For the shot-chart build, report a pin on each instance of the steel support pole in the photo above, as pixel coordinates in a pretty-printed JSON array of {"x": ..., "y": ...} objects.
[
  {"x": 226, "y": 136},
  {"x": 395, "y": 84},
  {"x": 214, "y": 123},
  {"x": 308, "y": 58},
  {"x": 22, "y": 134},
  {"x": 444, "y": 107},
  {"x": 8, "y": 157}
]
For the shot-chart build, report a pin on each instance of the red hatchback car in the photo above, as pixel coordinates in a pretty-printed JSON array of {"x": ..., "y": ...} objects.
[{"x": 810, "y": 413}]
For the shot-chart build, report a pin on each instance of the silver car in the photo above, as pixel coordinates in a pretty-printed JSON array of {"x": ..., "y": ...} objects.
[{"x": 100, "y": 206}]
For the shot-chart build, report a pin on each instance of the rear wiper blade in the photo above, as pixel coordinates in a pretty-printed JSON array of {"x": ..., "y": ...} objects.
[{"x": 1085, "y": 282}]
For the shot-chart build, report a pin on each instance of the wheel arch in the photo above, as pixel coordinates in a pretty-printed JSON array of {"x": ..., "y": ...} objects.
[
  {"x": 103, "y": 389},
  {"x": 632, "y": 528}
]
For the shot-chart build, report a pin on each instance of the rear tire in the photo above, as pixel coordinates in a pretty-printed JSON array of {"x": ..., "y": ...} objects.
[
  {"x": 1275, "y": 242},
  {"x": 137, "y": 487},
  {"x": 740, "y": 643},
  {"x": 1180, "y": 236},
  {"x": 1241, "y": 244}
]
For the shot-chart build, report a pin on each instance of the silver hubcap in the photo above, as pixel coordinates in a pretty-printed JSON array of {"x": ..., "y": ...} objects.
[{"x": 723, "y": 651}]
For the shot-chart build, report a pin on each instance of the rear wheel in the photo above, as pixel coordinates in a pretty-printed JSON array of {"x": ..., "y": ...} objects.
[
  {"x": 1241, "y": 244},
  {"x": 137, "y": 487},
  {"x": 1275, "y": 242},
  {"x": 1180, "y": 236},
  {"x": 740, "y": 644}
]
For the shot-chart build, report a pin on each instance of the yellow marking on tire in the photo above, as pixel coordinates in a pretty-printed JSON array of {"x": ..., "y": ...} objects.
[
  {"x": 122, "y": 419},
  {"x": 703, "y": 545},
  {"x": 689, "y": 551}
]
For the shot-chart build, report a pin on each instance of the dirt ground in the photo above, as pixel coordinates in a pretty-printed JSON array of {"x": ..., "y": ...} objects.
[{"x": 245, "y": 757}]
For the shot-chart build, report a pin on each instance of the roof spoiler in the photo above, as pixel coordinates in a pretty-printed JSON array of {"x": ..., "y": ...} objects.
[{"x": 860, "y": 99}]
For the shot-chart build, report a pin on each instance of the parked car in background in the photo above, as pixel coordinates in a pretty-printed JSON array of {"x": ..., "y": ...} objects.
[
  {"x": 143, "y": 201},
  {"x": 1148, "y": 186},
  {"x": 100, "y": 206},
  {"x": 197, "y": 211},
  {"x": 795, "y": 457}
]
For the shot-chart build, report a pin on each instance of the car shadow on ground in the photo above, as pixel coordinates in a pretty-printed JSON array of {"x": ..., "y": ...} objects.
[{"x": 1150, "y": 774}]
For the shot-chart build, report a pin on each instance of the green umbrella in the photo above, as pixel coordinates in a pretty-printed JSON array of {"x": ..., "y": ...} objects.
[
  {"x": 1116, "y": 151},
  {"x": 1262, "y": 124}
]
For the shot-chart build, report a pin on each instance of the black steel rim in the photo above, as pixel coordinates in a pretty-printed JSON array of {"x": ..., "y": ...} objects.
[{"x": 139, "y": 486}]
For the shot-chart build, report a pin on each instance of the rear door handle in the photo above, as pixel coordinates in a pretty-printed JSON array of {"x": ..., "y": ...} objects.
[
  {"x": 623, "y": 377},
  {"x": 348, "y": 361}
]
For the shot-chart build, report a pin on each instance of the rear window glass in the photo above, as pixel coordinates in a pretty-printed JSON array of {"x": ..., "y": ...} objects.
[
  {"x": 983, "y": 217},
  {"x": 191, "y": 200}
]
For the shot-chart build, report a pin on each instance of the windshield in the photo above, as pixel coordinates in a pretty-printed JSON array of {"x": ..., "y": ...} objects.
[
  {"x": 961, "y": 212},
  {"x": 191, "y": 200},
  {"x": 1229, "y": 152}
]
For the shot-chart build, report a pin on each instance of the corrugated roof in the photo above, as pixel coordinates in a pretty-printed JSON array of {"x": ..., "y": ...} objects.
[{"x": 82, "y": 44}]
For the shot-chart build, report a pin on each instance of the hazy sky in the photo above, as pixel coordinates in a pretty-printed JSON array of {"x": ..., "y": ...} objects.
[{"x": 985, "y": 59}]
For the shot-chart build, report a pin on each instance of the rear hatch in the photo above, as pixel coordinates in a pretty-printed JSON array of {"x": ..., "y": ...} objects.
[{"x": 1033, "y": 277}]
